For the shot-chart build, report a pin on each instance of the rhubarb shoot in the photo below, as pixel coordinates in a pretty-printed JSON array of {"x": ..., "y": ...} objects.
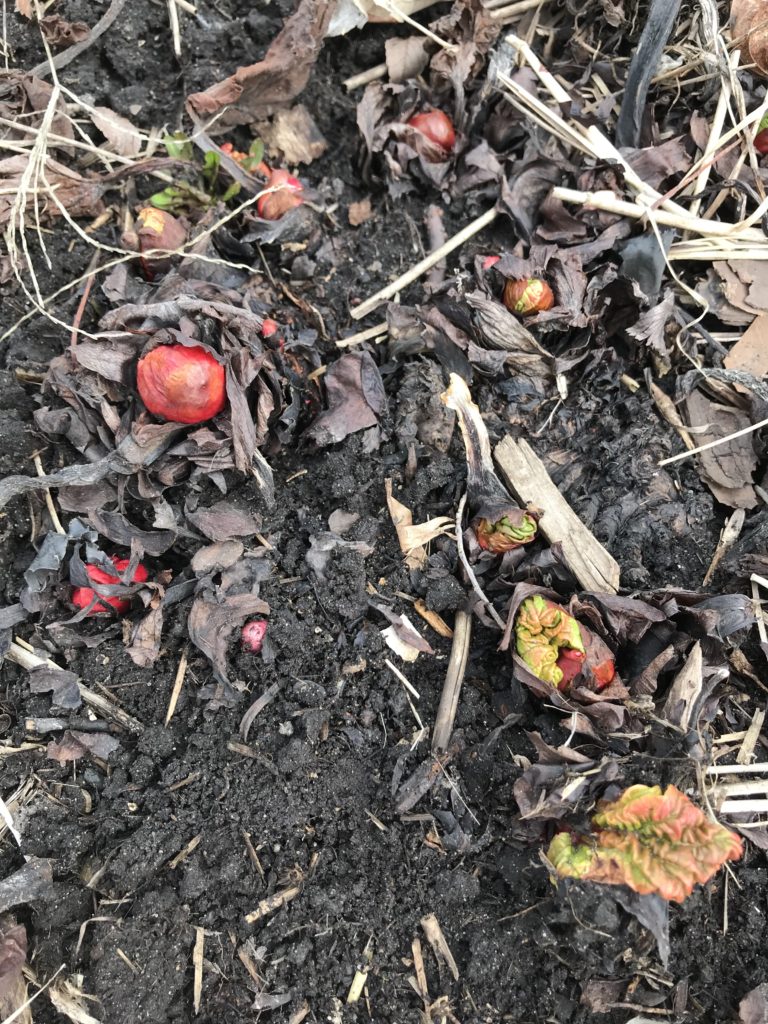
[
  {"x": 651, "y": 841},
  {"x": 549, "y": 641}
]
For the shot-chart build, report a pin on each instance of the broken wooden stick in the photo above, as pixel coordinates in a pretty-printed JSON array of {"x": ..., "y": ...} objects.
[
  {"x": 454, "y": 677},
  {"x": 18, "y": 653},
  {"x": 529, "y": 481}
]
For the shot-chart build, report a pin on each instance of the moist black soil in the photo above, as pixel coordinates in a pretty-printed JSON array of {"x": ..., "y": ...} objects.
[{"x": 156, "y": 845}]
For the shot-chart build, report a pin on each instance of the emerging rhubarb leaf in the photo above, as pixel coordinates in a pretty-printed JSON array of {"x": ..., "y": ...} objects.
[
  {"x": 544, "y": 632},
  {"x": 653, "y": 842},
  {"x": 507, "y": 533}
]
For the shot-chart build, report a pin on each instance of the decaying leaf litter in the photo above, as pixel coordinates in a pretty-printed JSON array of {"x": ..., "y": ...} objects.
[{"x": 275, "y": 507}]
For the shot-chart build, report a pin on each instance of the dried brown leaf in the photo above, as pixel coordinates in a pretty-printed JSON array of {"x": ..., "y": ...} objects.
[
  {"x": 749, "y": 31},
  {"x": 81, "y": 197},
  {"x": 13, "y": 958},
  {"x": 727, "y": 469},
  {"x": 211, "y": 622},
  {"x": 355, "y": 399},
  {"x": 406, "y": 58},
  {"x": 123, "y": 137},
  {"x": 294, "y": 135},
  {"x": 750, "y": 353},
  {"x": 215, "y": 557},
  {"x": 61, "y": 33},
  {"x": 258, "y": 90},
  {"x": 75, "y": 744},
  {"x": 413, "y": 538},
  {"x": 753, "y": 1008},
  {"x": 222, "y": 522}
]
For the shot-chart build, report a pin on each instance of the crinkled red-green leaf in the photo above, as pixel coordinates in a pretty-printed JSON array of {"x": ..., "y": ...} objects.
[
  {"x": 542, "y": 628},
  {"x": 653, "y": 842},
  {"x": 507, "y": 533}
]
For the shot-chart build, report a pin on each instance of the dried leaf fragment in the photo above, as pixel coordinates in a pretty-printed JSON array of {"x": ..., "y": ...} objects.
[
  {"x": 651, "y": 841},
  {"x": 81, "y": 197},
  {"x": 13, "y": 958},
  {"x": 258, "y": 90},
  {"x": 61, "y": 33},
  {"x": 413, "y": 538},
  {"x": 123, "y": 137},
  {"x": 749, "y": 30}
]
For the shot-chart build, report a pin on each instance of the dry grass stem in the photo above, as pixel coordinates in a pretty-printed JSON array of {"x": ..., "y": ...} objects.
[
  {"x": 738, "y": 769},
  {"x": 715, "y": 131},
  {"x": 378, "y": 331},
  {"x": 48, "y": 497},
  {"x": 173, "y": 18},
  {"x": 728, "y": 537},
  {"x": 198, "y": 952},
  {"x": 396, "y": 671},
  {"x": 178, "y": 682},
  {"x": 273, "y": 903},
  {"x": 22, "y": 654},
  {"x": 416, "y": 271},
  {"x": 437, "y": 941},
  {"x": 365, "y": 77},
  {"x": 468, "y": 568},
  {"x": 182, "y": 855}
]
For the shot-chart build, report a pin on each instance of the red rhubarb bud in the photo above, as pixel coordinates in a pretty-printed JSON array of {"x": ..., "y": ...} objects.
[
  {"x": 761, "y": 141},
  {"x": 490, "y": 261},
  {"x": 252, "y": 635},
  {"x": 181, "y": 384},
  {"x": 273, "y": 205},
  {"x": 229, "y": 150},
  {"x": 437, "y": 127},
  {"x": 569, "y": 662},
  {"x": 269, "y": 327},
  {"x": 528, "y": 296},
  {"x": 157, "y": 229},
  {"x": 82, "y": 596}
]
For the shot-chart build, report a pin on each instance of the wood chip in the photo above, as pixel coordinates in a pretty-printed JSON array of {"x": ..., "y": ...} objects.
[
  {"x": 418, "y": 966},
  {"x": 529, "y": 480},
  {"x": 437, "y": 941},
  {"x": 183, "y": 854},
  {"x": 747, "y": 751},
  {"x": 273, "y": 903},
  {"x": 178, "y": 682},
  {"x": 302, "y": 1013},
  {"x": 750, "y": 353},
  {"x": 197, "y": 961},
  {"x": 437, "y": 622}
]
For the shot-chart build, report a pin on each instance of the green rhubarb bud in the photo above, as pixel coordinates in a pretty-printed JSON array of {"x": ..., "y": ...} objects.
[{"x": 542, "y": 630}]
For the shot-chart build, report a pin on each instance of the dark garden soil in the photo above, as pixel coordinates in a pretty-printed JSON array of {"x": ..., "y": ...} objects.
[{"x": 185, "y": 829}]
